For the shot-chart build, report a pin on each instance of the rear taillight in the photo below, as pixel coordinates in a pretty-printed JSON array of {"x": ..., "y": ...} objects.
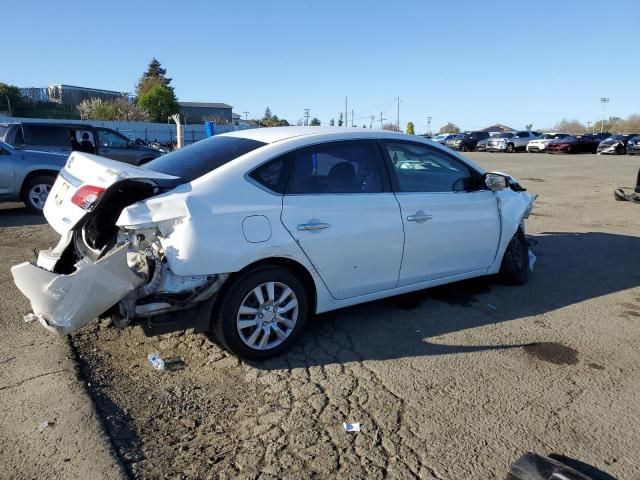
[{"x": 87, "y": 196}]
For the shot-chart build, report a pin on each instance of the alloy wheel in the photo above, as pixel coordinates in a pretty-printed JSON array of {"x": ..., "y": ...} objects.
[
  {"x": 267, "y": 315},
  {"x": 38, "y": 195}
]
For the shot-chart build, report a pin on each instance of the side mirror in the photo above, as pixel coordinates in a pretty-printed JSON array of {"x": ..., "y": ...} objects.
[{"x": 495, "y": 182}]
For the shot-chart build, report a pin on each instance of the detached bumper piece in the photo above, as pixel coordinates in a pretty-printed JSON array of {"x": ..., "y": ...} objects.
[
  {"x": 532, "y": 466},
  {"x": 64, "y": 303}
]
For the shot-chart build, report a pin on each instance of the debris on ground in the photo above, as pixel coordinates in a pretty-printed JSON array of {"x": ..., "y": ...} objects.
[
  {"x": 46, "y": 424},
  {"x": 351, "y": 427},
  {"x": 156, "y": 361},
  {"x": 532, "y": 260}
]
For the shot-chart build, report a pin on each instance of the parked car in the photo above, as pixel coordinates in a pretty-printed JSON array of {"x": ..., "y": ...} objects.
[
  {"x": 511, "y": 141},
  {"x": 482, "y": 145},
  {"x": 466, "y": 142},
  {"x": 615, "y": 144},
  {"x": 599, "y": 136},
  {"x": 443, "y": 137},
  {"x": 65, "y": 138},
  {"x": 540, "y": 144},
  {"x": 633, "y": 146},
  {"x": 27, "y": 175},
  {"x": 249, "y": 233},
  {"x": 573, "y": 144}
]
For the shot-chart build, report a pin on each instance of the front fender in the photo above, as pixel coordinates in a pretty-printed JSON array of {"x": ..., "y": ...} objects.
[{"x": 514, "y": 208}]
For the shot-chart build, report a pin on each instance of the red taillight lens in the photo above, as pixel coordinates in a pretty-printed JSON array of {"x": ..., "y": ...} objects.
[{"x": 87, "y": 196}]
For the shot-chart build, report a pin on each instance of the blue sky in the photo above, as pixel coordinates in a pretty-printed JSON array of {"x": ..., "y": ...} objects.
[{"x": 470, "y": 62}]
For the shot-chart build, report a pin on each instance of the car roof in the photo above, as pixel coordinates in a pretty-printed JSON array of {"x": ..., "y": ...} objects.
[{"x": 276, "y": 134}]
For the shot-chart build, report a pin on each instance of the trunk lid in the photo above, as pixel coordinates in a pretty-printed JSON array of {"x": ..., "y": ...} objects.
[{"x": 85, "y": 174}]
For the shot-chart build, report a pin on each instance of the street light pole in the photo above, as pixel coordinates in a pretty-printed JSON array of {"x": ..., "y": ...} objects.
[
  {"x": 429, "y": 125},
  {"x": 603, "y": 100}
]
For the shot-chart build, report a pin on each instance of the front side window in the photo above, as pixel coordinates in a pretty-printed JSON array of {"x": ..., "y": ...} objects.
[
  {"x": 337, "y": 167},
  {"x": 420, "y": 168},
  {"x": 109, "y": 139}
]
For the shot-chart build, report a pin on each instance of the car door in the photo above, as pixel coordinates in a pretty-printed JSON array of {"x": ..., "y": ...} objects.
[
  {"x": 451, "y": 223},
  {"x": 116, "y": 146},
  {"x": 338, "y": 206},
  {"x": 7, "y": 172}
]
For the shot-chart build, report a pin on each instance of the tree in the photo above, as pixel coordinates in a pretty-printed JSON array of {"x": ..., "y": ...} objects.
[
  {"x": 159, "y": 102},
  {"x": 154, "y": 75},
  {"x": 117, "y": 110},
  {"x": 340, "y": 120},
  {"x": 570, "y": 126},
  {"x": 410, "y": 129},
  {"x": 10, "y": 97},
  {"x": 391, "y": 127},
  {"x": 450, "y": 128},
  {"x": 332, "y": 122},
  {"x": 267, "y": 114},
  {"x": 528, "y": 126},
  {"x": 315, "y": 122},
  {"x": 271, "y": 120}
]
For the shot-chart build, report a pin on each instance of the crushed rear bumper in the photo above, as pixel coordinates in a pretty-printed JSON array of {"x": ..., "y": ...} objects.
[{"x": 64, "y": 303}]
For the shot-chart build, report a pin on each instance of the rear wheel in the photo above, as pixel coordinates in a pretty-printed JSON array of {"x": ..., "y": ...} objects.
[
  {"x": 515, "y": 263},
  {"x": 36, "y": 191},
  {"x": 261, "y": 313}
]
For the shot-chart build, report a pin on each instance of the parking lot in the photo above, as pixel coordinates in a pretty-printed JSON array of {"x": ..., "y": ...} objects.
[{"x": 450, "y": 383}]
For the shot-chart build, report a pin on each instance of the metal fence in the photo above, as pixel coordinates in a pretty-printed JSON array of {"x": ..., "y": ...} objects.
[{"x": 160, "y": 132}]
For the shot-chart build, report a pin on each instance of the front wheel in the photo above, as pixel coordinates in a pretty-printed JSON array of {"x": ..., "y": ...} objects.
[
  {"x": 515, "y": 263},
  {"x": 261, "y": 313},
  {"x": 36, "y": 192},
  {"x": 510, "y": 148}
]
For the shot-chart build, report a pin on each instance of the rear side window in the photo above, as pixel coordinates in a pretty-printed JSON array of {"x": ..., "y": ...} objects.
[
  {"x": 420, "y": 168},
  {"x": 336, "y": 167},
  {"x": 48, "y": 135},
  {"x": 202, "y": 157},
  {"x": 273, "y": 174}
]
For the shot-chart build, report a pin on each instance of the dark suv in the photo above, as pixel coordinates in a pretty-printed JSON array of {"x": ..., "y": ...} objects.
[
  {"x": 466, "y": 142},
  {"x": 67, "y": 137}
]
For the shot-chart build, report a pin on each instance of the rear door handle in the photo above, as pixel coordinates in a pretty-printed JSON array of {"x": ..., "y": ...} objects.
[
  {"x": 312, "y": 227},
  {"x": 419, "y": 217}
]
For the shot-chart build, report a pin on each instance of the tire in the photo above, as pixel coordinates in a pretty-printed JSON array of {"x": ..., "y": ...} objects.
[
  {"x": 464, "y": 148},
  {"x": 510, "y": 148},
  {"x": 249, "y": 342},
  {"x": 515, "y": 262},
  {"x": 36, "y": 191}
]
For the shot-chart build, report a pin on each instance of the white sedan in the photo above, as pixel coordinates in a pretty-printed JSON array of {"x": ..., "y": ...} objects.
[{"x": 247, "y": 234}]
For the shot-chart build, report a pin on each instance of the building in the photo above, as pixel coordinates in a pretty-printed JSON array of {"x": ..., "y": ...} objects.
[
  {"x": 497, "y": 128},
  {"x": 73, "y": 96},
  {"x": 199, "y": 112}
]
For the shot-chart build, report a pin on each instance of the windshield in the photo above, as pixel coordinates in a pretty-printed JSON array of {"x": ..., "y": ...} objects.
[
  {"x": 202, "y": 157},
  {"x": 3, "y": 130},
  {"x": 439, "y": 137},
  {"x": 504, "y": 135}
]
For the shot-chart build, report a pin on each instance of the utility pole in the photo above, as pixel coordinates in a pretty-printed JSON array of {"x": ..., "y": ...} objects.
[
  {"x": 398, "y": 117},
  {"x": 604, "y": 101},
  {"x": 589, "y": 126},
  {"x": 346, "y": 115},
  {"x": 306, "y": 117},
  {"x": 246, "y": 115},
  {"x": 429, "y": 125},
  {"x": 352, "y": 118},
  {"x": 371, "y": 123},
  {"x": 381, "y": 121}
]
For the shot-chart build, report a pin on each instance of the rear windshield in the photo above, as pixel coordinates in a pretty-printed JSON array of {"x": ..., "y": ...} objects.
[{"x": 202, "y": 157}]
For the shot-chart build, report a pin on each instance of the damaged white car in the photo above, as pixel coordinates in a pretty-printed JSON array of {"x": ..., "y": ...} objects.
[{"x": 247, "y": 234}]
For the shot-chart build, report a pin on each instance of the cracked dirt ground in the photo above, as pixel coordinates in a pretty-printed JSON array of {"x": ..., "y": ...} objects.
[{"x": 450, "y": 383}]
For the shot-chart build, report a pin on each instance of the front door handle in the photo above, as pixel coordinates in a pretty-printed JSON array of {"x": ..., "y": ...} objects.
[
  {"x": 419, "y": 217},
  {"x": 312, "y": 227}
]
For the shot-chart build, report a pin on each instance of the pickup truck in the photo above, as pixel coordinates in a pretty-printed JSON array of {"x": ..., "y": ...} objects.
[{"x": 67, "y": 137}]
